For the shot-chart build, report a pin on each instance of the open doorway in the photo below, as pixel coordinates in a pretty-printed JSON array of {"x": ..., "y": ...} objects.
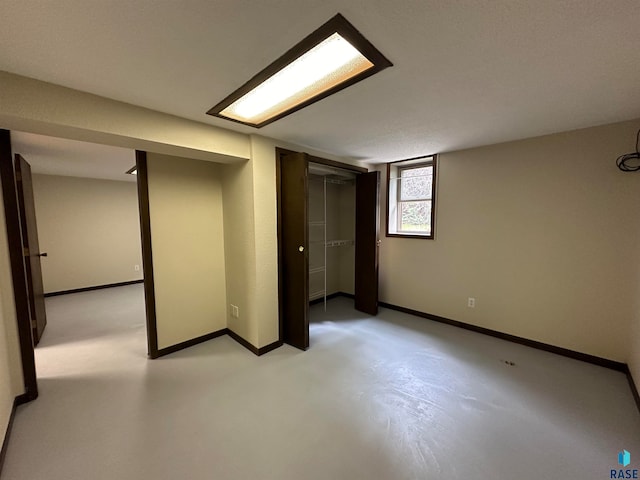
[{"x": 79, "y": 230}]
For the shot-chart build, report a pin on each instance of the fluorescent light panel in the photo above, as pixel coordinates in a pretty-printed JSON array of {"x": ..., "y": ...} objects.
[{"x": 326, "y": 61}]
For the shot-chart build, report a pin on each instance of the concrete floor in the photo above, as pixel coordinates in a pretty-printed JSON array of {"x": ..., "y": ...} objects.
[{"x": 387, "y": 397}]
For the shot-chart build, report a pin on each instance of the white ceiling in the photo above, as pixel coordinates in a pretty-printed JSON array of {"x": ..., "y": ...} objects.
[
  {"x": 69, "y": 158},
  {"x": 466, "y": 72}
]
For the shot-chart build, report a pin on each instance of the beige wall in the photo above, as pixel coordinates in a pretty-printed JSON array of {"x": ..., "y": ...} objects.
[
  {"x": 11, "y": 382},
  {"x": 347, "y": 254},
  {"x": 634, "y": 355},
  {"x": 239, "y": 248},
  {"x": 251, "y": 240},
  {"x": 542, "y": 232},
  {"x": 634, "y": 336},
  {"x": 39, "y": 107},
  {"x": 90, "y": 229},
  {"x": 251, "y": 244},
  {"x": 187, "y": 239}
]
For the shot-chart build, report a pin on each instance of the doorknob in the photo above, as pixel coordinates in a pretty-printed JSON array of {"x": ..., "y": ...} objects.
[
  {"x": 301, "y": 248},
  {"x": 44, "y": 254}
]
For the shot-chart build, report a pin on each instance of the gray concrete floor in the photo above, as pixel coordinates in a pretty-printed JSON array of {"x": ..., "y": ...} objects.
[{"x": 386, "y": 397}]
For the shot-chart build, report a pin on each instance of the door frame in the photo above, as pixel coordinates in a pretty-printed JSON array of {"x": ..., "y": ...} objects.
[
  {"x": 17, "y": 263},
  {"x": 18, "y": 273},
  {"x": 32, "y": 261},
  {"x": 142, "y": 174},
  {"x": 313, "y": 159}
]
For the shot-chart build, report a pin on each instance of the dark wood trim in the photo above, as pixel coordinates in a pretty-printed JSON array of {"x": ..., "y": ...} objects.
[
  {"x": 89, "y": 289},
  {"x": 147, "y": 256},
  {"x": 331, "y": 297},
  {"x": 336, "y": 24},
  {"x": 585, "y": 357},
  {"x": 323, "y": 161},
  {"x": 367, "y": 242},
  {"x": 190, "y": 343},
  {"x": 243, "y": 342},
  {"x": 219, "y": 333},
  {"x": 434, "y": 162},
  {"x": 280, "y": 152},
  {"x": 336, "y": 164},
  {"x": 406, "y": 235},
  {"x": 634, "y": 389},
  {"x": 7, "y": 433},
  {"x": 253, "y": 349},
  {"x": 22, "y": 399},
  {"x": 269, "y": 348},
  {"x": 16, "y": 260}
]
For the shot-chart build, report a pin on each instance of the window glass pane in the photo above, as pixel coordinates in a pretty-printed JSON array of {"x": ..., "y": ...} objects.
[
  {"x": 415, "y": 183},
  {"x": 415, "y": 216}
]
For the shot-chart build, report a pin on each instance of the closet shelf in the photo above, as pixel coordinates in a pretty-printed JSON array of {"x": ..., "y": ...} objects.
[
  {"x": 339, "y": 243},
  {"x": 316, "y": 224},
  {"x": 318, "y": 294},
  {"x": 317, "y": 270},
  {"x": 333, "y": 243}
]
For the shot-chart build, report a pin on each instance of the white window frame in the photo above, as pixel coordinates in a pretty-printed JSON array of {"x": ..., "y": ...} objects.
[{"x": 394, "y": 171}]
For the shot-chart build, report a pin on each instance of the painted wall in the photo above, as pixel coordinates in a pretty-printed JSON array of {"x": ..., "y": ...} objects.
[
  {"x": 187, "y": 238},
  {"x": 240, "y": 249},
  {"x": 11, "y": 382},
  {"x": 542, "y": 232},
  {"x": 34, "y": 106},
  {"x": 634, "y": 337},
  {"x": 634, "y": 355},
  {"x": 90, "y": 230},
  {"x": 347, "y": 254}
]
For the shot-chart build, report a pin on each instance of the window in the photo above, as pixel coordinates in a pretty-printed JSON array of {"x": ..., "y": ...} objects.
[{"x": 410, "y": 197}]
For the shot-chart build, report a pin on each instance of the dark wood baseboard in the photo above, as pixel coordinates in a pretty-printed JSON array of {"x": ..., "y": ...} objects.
[
  {"x": 19, "y": 400},
  {"x": 602, "y": 362},
  {"x": 189, "y": 343},
  {"x": 634, "y": 389},
  {"x": 255, "y": 350},
  {"x": 25, "y": 398},
  {"x": 96, "y": 287},
  {"x": 329, "y": 297},
  {"x": 225, "y": 331},
  {"x": 270, "y": 347}
]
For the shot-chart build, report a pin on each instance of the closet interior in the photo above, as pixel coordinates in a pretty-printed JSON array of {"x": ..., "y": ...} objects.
[{"x": 332, "y": 219}]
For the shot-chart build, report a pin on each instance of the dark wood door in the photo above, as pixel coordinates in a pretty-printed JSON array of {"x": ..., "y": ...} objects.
[
  {"x": 31, "y": 248},
  {"x": 367, "y": 228},
  {"x": 18, "y": 276},
  {"x": 293, "y": 174}
]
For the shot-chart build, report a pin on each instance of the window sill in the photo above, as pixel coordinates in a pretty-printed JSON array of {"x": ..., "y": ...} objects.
[{"x": 411, "y": 235}]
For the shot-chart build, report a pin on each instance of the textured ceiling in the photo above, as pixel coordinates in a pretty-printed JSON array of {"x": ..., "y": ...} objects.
[
  {"x": 466, "y": 72},
  {"x": 57, "y": 156}
]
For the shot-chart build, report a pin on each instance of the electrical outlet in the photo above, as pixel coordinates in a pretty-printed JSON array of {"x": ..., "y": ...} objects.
[
  {"x": 235, "y": 313},
  {"x": 471, "y": 302},
  {"x": 136, "y": 268}
]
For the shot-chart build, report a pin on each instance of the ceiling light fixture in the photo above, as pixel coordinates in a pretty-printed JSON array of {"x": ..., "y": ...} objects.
[{"x": 333, "y": 57}]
